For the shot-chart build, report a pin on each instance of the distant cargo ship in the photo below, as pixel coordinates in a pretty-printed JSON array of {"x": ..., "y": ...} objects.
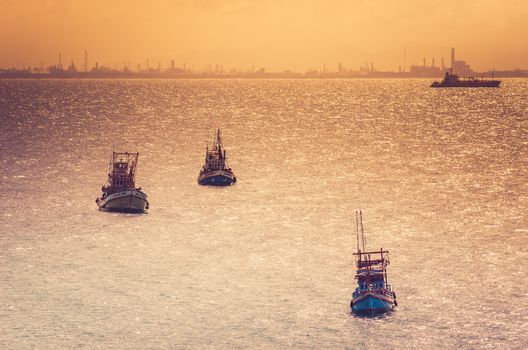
[{"x": 453, "y": 80}]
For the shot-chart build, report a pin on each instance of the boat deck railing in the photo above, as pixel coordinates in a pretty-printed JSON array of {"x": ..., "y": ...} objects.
[
  {"x": 383, "y": 291},
  {"x": 369, "y": 271}
]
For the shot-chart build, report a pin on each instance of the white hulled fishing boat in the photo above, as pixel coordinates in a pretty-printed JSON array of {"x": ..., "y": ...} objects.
[{"x": 120, "y": 192}]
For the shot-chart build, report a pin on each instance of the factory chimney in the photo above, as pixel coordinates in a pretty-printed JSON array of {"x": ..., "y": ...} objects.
[{"x": 86, "y": 61}]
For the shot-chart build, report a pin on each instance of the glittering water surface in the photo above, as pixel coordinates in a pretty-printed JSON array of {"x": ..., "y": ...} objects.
[{"x": 441, "y": 175}]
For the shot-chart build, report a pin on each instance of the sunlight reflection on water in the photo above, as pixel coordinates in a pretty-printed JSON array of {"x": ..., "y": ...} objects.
[{"x": 267, "y": 263}]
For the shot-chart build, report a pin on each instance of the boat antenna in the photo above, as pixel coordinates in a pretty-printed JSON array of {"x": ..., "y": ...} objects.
[
  {"x": 221, "y": 156},
  {"x": 111, "y": 160},
  {"x": 357, "y": 231},
  {"x": 363, "y": 240},
  {"x": 133, "y": 165}
]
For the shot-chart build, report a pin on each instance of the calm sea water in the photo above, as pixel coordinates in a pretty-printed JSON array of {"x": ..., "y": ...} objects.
[{"x": 441, "y": 176}]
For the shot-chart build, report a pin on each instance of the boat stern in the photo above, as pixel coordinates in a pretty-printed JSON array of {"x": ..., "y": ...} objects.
[
  {"x": 372, "y": 303},
  {"x": 133, "y": 201},
  {"x": 217, "y": 178}
]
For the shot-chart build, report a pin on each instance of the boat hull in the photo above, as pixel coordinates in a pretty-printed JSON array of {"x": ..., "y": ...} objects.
[
  {"x": 372, "y": 304},
  {"x": 131, "y": 201},
  {"x": 217, "y": 178},
  {"x": 491, "y": 83}
]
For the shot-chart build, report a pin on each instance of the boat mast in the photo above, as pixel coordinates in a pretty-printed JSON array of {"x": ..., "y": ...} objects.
[
  {"x": 133, "y": 167},
  {"x": 110, "y": 165},
  {"x": 357, "y": 231},
  {"x": 218, "y": 142},
  {"x": 363, "y": 240},
  {"x": 384, "y": 268}
]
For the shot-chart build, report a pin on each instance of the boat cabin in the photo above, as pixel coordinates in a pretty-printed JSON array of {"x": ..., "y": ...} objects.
[
  {"x": 122, "y": 171},
  {"x": 215, "y": 158},
  {"x": 374, "y": 281},
  {"x": 120, "y": 176},
  {"x": 371, "y": 270}
]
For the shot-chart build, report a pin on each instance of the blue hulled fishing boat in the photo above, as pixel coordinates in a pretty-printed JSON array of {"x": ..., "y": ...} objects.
[
  {"x": 373, "y": 295},
  {"x": 215, "y": 171}
]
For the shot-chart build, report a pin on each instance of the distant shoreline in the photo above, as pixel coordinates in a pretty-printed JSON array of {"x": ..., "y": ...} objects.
[{"x": 249, "y": 76}]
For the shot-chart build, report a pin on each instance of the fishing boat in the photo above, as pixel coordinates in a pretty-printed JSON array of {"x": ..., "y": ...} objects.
[
  {"x": 120, "y": 192},
  {"x": 215, "y": 171},
  {"x": 453, "y": 80},
  {"x": 373, "y": 295}
]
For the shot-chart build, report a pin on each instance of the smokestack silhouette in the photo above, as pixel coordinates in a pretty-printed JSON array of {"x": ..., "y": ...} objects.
[
  {"x": 404, "y": 59},
  {"x": 452, "y": 57}
]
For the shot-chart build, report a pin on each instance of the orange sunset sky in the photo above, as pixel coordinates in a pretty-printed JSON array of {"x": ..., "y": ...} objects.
[{"x": 278, "y": 35}]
